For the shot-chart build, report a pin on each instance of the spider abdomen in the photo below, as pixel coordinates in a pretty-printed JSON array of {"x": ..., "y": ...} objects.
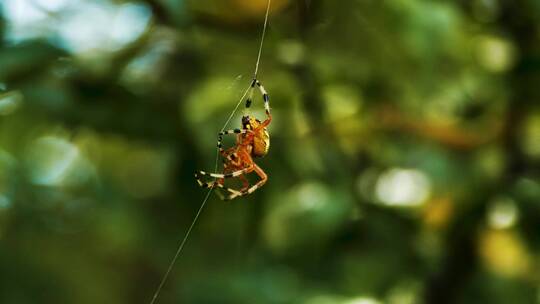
[{"x": 261, "y": 143}]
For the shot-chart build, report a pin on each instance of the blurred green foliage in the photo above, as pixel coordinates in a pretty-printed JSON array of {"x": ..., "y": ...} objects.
[{"x": 404, "y": 165}]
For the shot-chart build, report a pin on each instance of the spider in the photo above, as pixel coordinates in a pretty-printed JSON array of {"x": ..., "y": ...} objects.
[{"x": 252, "y": 141}]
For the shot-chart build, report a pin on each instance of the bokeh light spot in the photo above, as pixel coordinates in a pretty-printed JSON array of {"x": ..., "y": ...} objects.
[
  {"x": 53, "y": 5},
  {"x": 503, "y": 213},
  {"x": 495, "y": 54},
  {"x": 342, "y": 102},
  {"x": 362, "y": 300},
  {"x": 403, "y": 187},
  {"x": 51, "y": 159},
  {"x": 504, "y": 253},
  {"x": 438, "y": 212},
  {"x": 291, "y": 52},
  {"x": 312, "y": 197},
  {"x": 103, "y": 26},
  {"x": 10, "y": 102},
  {"x": 79, "y": 26},
  {"x": 22, "y": 16}
]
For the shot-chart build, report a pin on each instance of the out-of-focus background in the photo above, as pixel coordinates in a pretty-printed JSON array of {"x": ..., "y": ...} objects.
[{"x": 404, "y": 165}]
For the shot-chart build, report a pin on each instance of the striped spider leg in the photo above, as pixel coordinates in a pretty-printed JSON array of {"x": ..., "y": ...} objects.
[{"x": 266, "y": 99}]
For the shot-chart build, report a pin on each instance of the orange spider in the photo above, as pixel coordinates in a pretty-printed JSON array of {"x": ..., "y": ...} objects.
[{"x": 252, "y": 141}]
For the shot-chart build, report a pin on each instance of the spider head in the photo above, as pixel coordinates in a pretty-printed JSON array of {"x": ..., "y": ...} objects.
[{"x": 250, "y": 123}]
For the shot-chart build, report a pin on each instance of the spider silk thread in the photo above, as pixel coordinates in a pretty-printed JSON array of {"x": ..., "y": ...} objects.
[{"x": 205, "y": 200}]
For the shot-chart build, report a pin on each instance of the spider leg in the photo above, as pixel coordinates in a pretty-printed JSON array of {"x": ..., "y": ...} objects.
[
  {"x": 225, "y": 175},
  {"x": 216, "y": 184},
  {"x": 220, "y": 137},
  {"x": 219, "y": 182},
  {"x": 213, "y": 184},
  {"x": 259, "y": 184},
  {"x": 266, "y": 99},
  {"x": 264, "y": 93},
  {"x": 245, "y": 182},
  {"x": 204, "y": 184},
  {"x": 230, "y": 161}
]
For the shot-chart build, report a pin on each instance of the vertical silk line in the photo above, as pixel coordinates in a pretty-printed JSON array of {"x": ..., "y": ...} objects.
[
  {"x": 203, "y": 204},
  {"x": 262, "y": 39}
]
